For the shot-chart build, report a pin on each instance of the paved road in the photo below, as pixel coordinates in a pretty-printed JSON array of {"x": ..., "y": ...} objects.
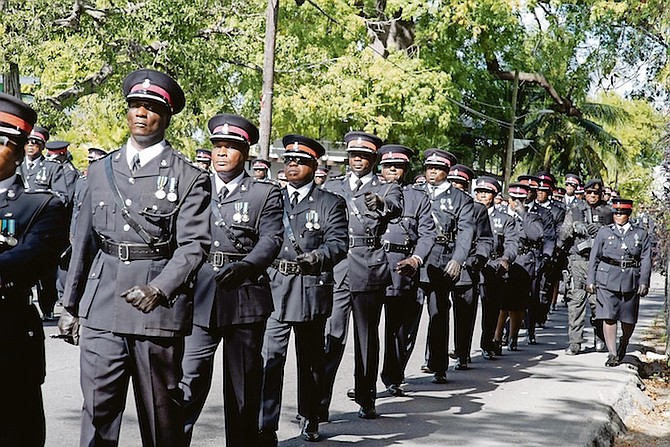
[{"x": 536, "y": 396}]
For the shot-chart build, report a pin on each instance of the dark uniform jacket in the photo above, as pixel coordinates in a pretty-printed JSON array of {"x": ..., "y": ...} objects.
[
  {"x": 300, "y": 298},
  {"x": 368, "y": 267},
  {"x": 482, "y": 245},
  {"x": 252, "y": 214},
  {"x": 37, "y": 223},
  {"x": 44, "y": 175},
  {"x": 632, "y": 250},
  {"x": 579, "y": 243},
  {"x": 505, "y": 237},
  {"x": 550, "y": 234},
  {"x": 531, "y": 233},
  {"x": 70, "y": 174},
  {"x": 452, "y": 212},
  {"x": 413, "y": 233},
  {"x": 96, "y": 279}
]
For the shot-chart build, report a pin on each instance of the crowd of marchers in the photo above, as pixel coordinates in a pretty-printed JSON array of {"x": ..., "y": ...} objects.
[{"x": 159, "y": 260}]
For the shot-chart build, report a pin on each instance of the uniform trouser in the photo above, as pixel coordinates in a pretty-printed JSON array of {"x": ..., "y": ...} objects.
[
  {"x": 534, "y": 310},
  {"x": 22, "y": 415},
  {"x": 107, "y": 363},
  {"x": 367, "y": 309},
  {"x": 577, "y": 300},
  {"x": 47, "y": 294},
  {"x": 491, "y": 291},
  {"x": 402, "y": 315},
  {"x": 337, "y": 327},
  {"x": 465, "y": 312},
  {"x": 310, "y": 360},
  {"x": 242, "y": 378},
  {"x": 439, "y": 306}
]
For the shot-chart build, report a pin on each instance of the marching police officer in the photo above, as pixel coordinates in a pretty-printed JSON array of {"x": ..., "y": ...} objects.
[
  {"x": 141, "y": 235},
  {"x": 452, "y": 212},
  {"x": 572, "y": 183},
  {"x": 496, "y": 270},
  {"x": 321, "y": 175},
  {"x": 619, "y": 273},
  {"x": 465, "y": 294},
  {"x": 578, "y": 231},
  {"x": 232, "y": 293},
  {"x": 57, "y": 153},
  {"x": 33, "y": 232},
  {"x": 407, "y": 241},
  {"x": 315, "y": 239},
  {"x": 35, "y": 171},
  {"x": 361, "y": 279},
  {"x": 260, "y": 168},
  {"x": 203, "y": 158}
]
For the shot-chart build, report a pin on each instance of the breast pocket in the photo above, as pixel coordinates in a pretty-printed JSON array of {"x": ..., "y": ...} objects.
[
  {"x": 104, "y": 216},
  {"x": 92, "y": 284},
  {"x": 603, "y": 274}
]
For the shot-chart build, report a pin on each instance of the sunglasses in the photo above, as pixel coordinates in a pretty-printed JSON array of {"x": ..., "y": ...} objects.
[
  {"x": 592, "y": 191},
  {"x": 574, "y": 185},
  {"x": 298, "y": 160},
  {"x": 33, "y": 141}
]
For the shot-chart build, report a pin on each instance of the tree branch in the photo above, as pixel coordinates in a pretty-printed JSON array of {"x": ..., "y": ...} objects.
[{"x": 81, "y": 88}]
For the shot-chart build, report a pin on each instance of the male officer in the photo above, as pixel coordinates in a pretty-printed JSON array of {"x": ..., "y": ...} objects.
[
  {"x": 232, "y": 294},
  {"x": 496, "y": 270},
  {"x": 315, "y": 239},
  {"x": 141, "y": 235},
  {"x": 260, "y": 168},
  {"x": 94, "y": 153},
  {"x": 321, "y": 175},
  {"x": 578, "y": 231},
  {"x": 203, "y": 158},
  {"x": 452, "y": 211},
  {"x": 619, "y": 272},
  {"x": 33, "y": 232},
  {"x": 466, "y": 288},
  {"x": 361, "y": 279},
  {"x": 407, "y": 241},
  {"x": 57, "y": 152},
  {"x": 572, "y": 183}
]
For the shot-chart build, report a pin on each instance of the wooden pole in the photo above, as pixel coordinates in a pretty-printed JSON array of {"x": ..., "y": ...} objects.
[{"x": 265, "y": 127}]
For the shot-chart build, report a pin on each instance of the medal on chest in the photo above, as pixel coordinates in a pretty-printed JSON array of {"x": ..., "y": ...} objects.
[
  {"x": 312, "y": 218},
  {"x": 8, "y": 230},
  {"x": 161, "y": 182},
  {"x": 172, "y": 191},
  {"x": 241, "y": 212}
]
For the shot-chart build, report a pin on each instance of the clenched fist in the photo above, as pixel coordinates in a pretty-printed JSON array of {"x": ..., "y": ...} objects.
[
  {"x": 373, "y": 202},
  {"x": 145, "y": 298},
  {"x": 408, "y": 267},
  {"x": 310, "y": 263}
]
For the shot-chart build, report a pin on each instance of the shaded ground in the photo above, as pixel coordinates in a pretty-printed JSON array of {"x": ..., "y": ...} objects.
[{"x": 651, "y": 427}]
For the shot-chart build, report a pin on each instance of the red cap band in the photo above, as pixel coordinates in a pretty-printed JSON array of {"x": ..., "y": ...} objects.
[
  {"x": 395, "y": 156},
  {"x": 155, "y": 89},
  {"x": 15, "y": 121},
  {"x": 297, "y": 147},
  {"x": 228, "y": 129}
]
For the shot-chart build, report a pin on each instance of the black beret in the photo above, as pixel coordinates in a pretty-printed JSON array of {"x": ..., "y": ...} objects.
[
  {"x": 301, "y": 145},
  {"x": 395, "y": 153},
  {"x": 362, "y": 142},
  {"x": 229, "y": 127},
  {"x": 439, "y": 157},
  {"x": 16, "y": 117},
  {"x": 594, "y": 183},
  {"x": 155, "y": 86},
  {"x": 460, "y": 173}
]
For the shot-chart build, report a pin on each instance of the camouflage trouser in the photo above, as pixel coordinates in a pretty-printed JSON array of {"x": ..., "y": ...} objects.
[{"x": 577, "y": 299}]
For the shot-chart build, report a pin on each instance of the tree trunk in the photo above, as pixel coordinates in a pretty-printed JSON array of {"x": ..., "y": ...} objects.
[{"x": 12, "y": 81}]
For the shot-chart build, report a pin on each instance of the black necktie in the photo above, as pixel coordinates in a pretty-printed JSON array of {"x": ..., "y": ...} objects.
[
  {"x": 223, "y": 193},
  {"x": 358, "y": 185},
  {"x": 31, "y": 166},
  {"x": 294, "y": 199},
  {"x": 135, "y": 165}
]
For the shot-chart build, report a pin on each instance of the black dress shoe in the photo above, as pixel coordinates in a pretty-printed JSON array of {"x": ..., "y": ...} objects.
[
  {"x": 512, "y": 344},
  {"x": 461, "y": 365},
  {"x": 267, "y": 438},
  {"x": 621, "y": 352},
  {"x": 488, "y": 354},
  {"x": 497, "y": 347},
  {"x": 368, "y": 413},
  {"x": 395, "y": 390},
  {"x": 440, "y": 378},
  {"x": 309, "y": 430},
  {"x": 612, "y": 360},
  {"x": 351, "y": 393}
]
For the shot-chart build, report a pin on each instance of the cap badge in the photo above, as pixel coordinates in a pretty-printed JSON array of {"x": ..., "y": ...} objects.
[
  {"x": 225, "y": 128},
  {"x": 360, "y": 140},
  {"x": 296, "y": 146},
  {"x": 146, "y": 83}
]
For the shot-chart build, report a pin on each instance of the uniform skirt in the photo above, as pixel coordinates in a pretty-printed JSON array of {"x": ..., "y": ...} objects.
[
  {"x": 516, "y": 291},
  {"x": 618, "y": 306}
]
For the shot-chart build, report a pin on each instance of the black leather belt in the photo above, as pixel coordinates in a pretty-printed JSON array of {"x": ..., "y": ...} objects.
[
  {"x": 135, "y": 252},
  {"x": 219, "y": 258},
  {"x": 397, "y": 248},
  {"x": 621, "y": 263},
  {"x": 444, "y": 238},
  {"x": 286, "y": 267},
  {"x": 363, "y": 241}
]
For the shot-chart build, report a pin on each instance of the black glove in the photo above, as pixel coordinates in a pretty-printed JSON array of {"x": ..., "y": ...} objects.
[
  {"x": 408, "y": 266},
  {"x": 546, "y": 263},
  {"x": 232, "y": 275},
  {"x": 310, "y": 263},
  {"x": 373, "y": 202},
  {"x": 643, "y": 290},
  {"x": 145, "y": 298},
  {"x": 476, "y": 262},
  {"x": 68, "y": 326},
  {"x": 592, "y": 229}
]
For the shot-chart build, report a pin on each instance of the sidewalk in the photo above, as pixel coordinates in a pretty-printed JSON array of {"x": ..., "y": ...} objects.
[{"x": 536, "y": 396}]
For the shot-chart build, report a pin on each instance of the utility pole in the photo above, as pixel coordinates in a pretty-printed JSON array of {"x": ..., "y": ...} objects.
[
  {"x": 265, "y": 127},
  {"x": 507, "y": 173}
]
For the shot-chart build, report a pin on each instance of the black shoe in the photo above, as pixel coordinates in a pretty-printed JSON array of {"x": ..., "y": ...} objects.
[
  {"x": 505, "y": 339},
  {"x": 497, "y": 347},
  {"x": 368, "y": 413},
  {"x": 426, "y": 369},
  {"x": 452, "y": 355},
  {"x": 488, "y": 354},
  {"x": 530, "y": 339},
  {"x": 512, "y": 344},
  {"x": 395, "y": 390},
  {"x": 351, "y": 393},
  {"x": 309, "y": 430},
  {"x": 612, "y": 360},
  {"x": 572, "y": 349},
  {"x": 621, "y": 352},
  {"x": 461, "y": 365},
  {"x": 267, "y": 438},
  {"x": 440, "y": 378}
]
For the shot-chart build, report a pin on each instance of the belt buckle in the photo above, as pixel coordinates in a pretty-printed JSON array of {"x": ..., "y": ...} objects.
[
  {"x": 124, "y": 252},
  {"x": 217, "y": 259},
  {"x": 440, "y": 239},
  {"x": 386, "y": 245},
  {"x": 283, "y": 267}
]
